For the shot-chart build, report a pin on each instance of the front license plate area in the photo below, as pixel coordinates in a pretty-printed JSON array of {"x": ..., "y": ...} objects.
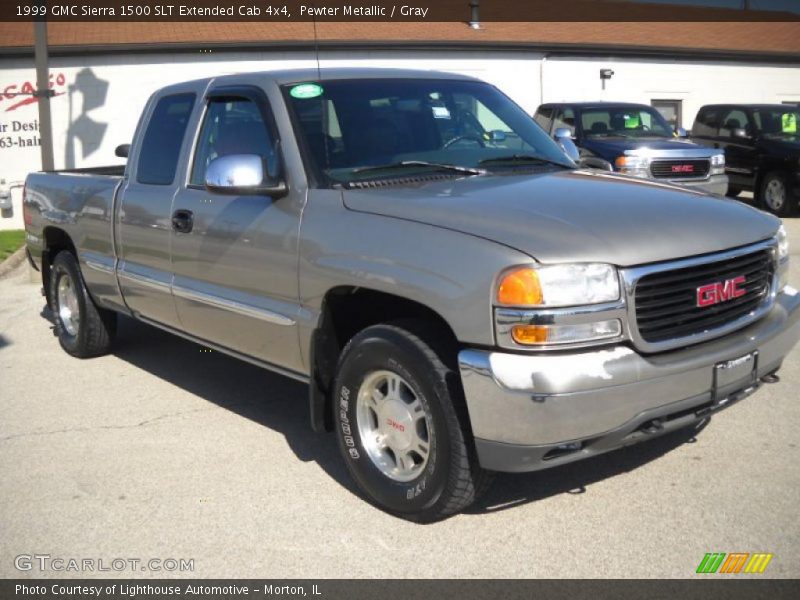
[{"x": 733, "y": 375}]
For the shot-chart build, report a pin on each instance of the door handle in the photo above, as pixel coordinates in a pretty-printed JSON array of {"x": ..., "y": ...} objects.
[{"x": 182, "y": 220}]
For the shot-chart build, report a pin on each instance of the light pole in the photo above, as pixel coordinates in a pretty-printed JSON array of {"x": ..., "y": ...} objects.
[{"x": 43, "y": 93}]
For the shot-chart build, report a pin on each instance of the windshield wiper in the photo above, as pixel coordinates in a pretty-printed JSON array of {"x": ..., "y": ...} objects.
[
  {"x": 522, "y": 159},
  {"x": 406, "y": 164}
]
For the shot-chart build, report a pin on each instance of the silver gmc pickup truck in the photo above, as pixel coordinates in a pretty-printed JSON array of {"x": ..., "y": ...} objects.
[{"x": 459, "y": 297}]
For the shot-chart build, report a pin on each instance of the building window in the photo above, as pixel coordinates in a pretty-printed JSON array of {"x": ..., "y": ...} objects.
[{"x": 671, "y": 110}]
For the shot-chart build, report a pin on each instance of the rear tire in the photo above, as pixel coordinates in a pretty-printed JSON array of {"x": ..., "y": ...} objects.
[
  {"x": 774, "y": 196},
  {"x": 401, "y": 423},
  {"x": 83, "y": 329}
]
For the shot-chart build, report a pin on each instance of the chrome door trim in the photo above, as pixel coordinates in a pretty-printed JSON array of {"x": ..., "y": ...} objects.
[
  {"x": 246, "y": 310},
  {"x": 143, "y": 280},
  {"x": 99, "y": 266}
]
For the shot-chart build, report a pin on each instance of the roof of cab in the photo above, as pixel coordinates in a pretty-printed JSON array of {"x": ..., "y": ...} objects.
[
  {"x": 739, "y": 105},
  {"x": 282, "y": 77},
  {"x": 596, "y": 104}
]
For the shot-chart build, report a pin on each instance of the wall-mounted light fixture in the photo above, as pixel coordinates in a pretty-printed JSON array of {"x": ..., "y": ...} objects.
[
  {"x": 605, "y": 75},
  {"x": 474, "y": 14}
]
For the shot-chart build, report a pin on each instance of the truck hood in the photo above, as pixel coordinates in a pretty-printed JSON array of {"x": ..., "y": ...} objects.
[
  {"x": 662, "y": 147},
  {"x": 575, "y": 216}
]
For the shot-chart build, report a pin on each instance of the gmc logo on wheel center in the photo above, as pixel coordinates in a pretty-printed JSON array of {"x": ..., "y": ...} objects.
[{"x": 721, "y": 291}]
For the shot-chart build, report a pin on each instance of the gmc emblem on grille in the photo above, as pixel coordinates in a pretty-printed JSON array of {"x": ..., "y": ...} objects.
[
  {"x": 722, "y": 291},
  {"x": 683, "y": 168}
]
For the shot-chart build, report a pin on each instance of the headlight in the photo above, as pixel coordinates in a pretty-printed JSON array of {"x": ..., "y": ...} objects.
[
  {"x": 718, "y": 164},
  {"x": 638, "y": 166},
  {"x": 783, "y": 243},
  {"x": 783, "y": 257},
  {"x": 559, "y": 285}
]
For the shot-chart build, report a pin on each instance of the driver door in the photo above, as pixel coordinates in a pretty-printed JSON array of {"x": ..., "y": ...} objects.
[{"x": 235, "y": 268}]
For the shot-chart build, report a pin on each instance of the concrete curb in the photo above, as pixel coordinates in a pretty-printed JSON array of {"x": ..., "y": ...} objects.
[{"x": 12, "y": 262}]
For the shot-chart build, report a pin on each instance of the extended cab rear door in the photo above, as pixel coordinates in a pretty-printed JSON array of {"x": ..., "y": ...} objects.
[{"x": 143, "y": 220}]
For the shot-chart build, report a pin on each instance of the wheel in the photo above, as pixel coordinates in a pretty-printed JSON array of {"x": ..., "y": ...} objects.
[
  {"x": 401, "y": 423},
  {"x": 83, "y": 329},
  {"x": 774, "y": 194},
  {"x": 733, "y": 191}
]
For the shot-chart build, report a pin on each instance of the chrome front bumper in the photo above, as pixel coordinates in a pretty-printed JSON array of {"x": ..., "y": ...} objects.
[
  {"x": 715, "y": 184},
  {"x": 530, "y": 412}
]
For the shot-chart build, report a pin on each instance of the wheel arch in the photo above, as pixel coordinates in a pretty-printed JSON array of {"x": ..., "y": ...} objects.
[
  {"x": 55, "y": 240},
  {"x": 346, "y": 310}
]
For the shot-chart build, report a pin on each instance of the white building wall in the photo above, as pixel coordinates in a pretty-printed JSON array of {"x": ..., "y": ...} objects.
[
  {"x": 100, "y": 97},
  {"x": 695, "y": 83}
]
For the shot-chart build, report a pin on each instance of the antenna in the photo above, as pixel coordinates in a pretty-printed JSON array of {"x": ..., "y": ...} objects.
[
  {"x": 323, "y": 113},
  {"x": 316, "y": 41}
]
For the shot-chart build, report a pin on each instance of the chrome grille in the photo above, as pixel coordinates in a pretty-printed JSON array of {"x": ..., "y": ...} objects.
[
  {"x": 665, "y": 301},
  {"x": 679, "y": 169}
]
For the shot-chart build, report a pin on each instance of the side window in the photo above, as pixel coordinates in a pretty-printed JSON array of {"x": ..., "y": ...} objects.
[
  {"x": 734, "y": 119},
  {"x": 544, "y": 116},
  {"x": 232, "y": 126},
  {"x": 161, "y": 146},
  {"x": 565, "y": 118},
  {"x": 707, "y": 123}
]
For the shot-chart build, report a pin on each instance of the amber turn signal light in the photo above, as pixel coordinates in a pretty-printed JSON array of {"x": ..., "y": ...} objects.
[{"x": 529, "y": 334}]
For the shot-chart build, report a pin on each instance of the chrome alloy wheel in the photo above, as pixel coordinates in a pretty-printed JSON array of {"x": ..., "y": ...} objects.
[
  {"x": 775, "y": 194},
  {"x": 67, "y": 304},
  {"x": 395, "y": 430}
]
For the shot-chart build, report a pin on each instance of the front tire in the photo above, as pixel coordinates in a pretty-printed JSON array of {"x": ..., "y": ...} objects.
[
  {"x": 83, "y": 329},
  {"x": 401, "y": 424},
  {"x": 773, "y": 194}
]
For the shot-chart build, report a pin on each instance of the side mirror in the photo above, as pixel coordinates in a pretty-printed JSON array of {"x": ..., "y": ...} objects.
[
  {"x": 681, "y": 132},
  {"x": 122, "y": 150},
  {"x": 242, "y": 174},
  {"x": 562, "y": 132},
  {"x": 564, "y": 139},
  {"x": 740, "y": 133}
]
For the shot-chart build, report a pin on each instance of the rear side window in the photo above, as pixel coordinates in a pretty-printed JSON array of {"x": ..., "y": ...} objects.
[
  {"x": 707, "y": 122},
  {"x": 544, "y": 116},
  {"x": 158, "y": 158}
]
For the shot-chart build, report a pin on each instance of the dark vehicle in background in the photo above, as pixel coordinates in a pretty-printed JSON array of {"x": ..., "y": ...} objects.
[
  {"x": 636, "y": 140},
  {"x": 762, "y": 148}
]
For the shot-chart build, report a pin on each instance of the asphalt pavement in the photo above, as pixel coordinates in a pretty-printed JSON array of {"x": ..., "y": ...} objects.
[{"x": 162, "y": 451}]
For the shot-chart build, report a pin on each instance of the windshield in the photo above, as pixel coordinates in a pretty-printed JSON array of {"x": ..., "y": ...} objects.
[
  {"x": 410, "y": 126},
  {"x": 777, "y": 121},
  {"x": 623, "y": 121}
]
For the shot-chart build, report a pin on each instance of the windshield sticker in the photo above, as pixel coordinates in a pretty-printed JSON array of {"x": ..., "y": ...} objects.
[
  {"x": 440, "y": 112},
  {"x": 306, "y": 90},
  {"x": 789, "y": 123},
  {"x": 631, "y": 121}
]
